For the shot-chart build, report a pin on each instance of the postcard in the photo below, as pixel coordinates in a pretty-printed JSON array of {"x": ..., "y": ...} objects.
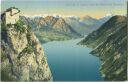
[{"x": 64, "y": 40}]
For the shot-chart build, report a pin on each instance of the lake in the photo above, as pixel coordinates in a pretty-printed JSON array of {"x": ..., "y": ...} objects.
[{"x": 71, "y": 62}]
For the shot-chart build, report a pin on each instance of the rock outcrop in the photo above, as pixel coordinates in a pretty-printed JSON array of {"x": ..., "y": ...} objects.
[
  {"x": 110, "y": 45},
  {"x": 22, "y": 55}
]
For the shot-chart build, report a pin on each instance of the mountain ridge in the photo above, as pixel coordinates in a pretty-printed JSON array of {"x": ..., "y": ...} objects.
[{"x": 51, "y": 25}]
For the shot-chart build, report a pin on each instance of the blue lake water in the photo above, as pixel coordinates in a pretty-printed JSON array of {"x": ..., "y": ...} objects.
[{"x": 71, "y": 62}]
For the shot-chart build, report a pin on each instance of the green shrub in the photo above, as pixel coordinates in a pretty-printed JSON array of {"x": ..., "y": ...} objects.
[
  {"x": 19, "y": 26},
  {"x": 3, "y": 26},
  {"x": 29, "y": 49}
]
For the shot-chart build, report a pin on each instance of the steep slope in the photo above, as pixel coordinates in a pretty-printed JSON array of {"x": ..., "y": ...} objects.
[
  {"x": 100, "y": 35},
  {"x": 22, "y": 55},
  {"x": 110, "y": 45},
  {"x": 105, "y": 18}
]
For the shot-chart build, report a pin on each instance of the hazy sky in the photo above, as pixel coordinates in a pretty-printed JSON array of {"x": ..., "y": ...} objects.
[{"x": 94, "y": 8}]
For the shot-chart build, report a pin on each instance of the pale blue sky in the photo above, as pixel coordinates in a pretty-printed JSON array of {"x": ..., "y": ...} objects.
[{"x": 95, "y": 8}]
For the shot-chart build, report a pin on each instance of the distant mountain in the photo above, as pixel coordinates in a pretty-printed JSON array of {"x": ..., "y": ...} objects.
[
  {"x": 51, "y": 25},
  {"x": 110, "y": 45},
  {"x": 89, "y": 20},
  {"x": 71, "y": 26},
  {"x": 77, "y": 25},
  {"x": 85, "y": 25}
]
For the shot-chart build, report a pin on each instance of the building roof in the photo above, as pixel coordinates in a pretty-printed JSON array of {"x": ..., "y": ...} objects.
[{"x": 9, "y": 9}]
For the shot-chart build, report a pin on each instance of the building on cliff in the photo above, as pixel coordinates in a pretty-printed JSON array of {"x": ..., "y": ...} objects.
[
  {"x": 10, "y": 16},
  {"x": 22, "y": 55}
]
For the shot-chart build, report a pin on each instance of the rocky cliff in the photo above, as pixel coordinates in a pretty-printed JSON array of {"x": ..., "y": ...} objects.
[
  {"x": 22, "y": 56},
  {"x": 110, "y": 45}
]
